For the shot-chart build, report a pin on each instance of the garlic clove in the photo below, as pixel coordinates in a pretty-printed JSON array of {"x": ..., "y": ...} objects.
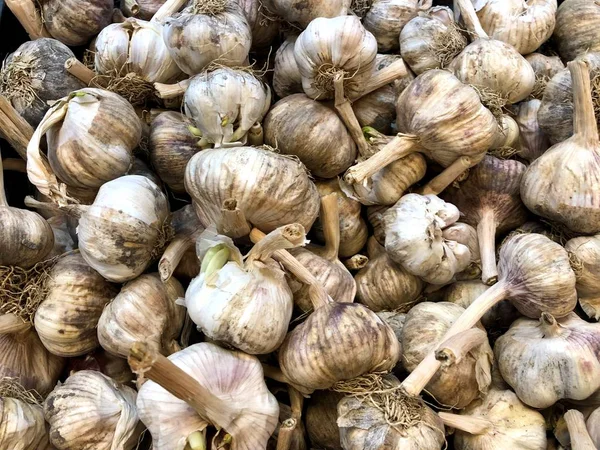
[
  {"x": 576, "y": 25},
  {"x": 466, "y": 235},
  {"x": 74, "y": 23}
]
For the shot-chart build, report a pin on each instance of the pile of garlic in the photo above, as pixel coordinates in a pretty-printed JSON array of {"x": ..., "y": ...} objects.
[{"x": 301, "y": 224}]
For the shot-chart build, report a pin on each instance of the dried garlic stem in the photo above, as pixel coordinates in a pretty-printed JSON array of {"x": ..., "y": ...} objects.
[
  {"x": 3, "y": 199},
  {"x": 584, "y": 120},
  {"x": 550, "y": 326},
  {"x": 256, "y": 136},
  {"x": 330, "y": 218},
  {"x": 168, "y": 8},
  {"x": 486, "y": 236},
  {"x": 453, "y": 350},
  {"x": 356, "y": 262},
  {"x": 71, "y": 210},
  {"x": 397, "y": 69},
  {"x": 29, "y": 17},
  {"x": 469, "y": 424},
  {"x": 172, "y": 255},
  {"x": 15, "y": 165},
  {"x": 11, "y": 133},
  {"x": 448, "y": 176},
  {"x": 467, "y": 11},
  {"x": 233, "y": 221},
  {"x": 344, "y": 109},
  {"x": 132, "y": 7},
  {"x": 297, "y": 402},
  {"x": 166, "y": 91},
  {"x": 80, "y": 70},
  {"x": 275, "y": 373},
  {"x": 11, "y": 324},
  {"x": 288, "y": 236},
  {"x": 22, "y": 125},
  {"x": 286, "y": 434},
  {"x": 580, "y": 438}
]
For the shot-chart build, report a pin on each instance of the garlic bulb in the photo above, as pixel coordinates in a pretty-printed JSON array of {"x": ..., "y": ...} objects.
[
  {"x": 413, "y": 238},
  {"x": 386, "y": 19},
  {"x": 263, "y": 25},
  {"x": 229, "y": 392},
  {"x": 205, "y": 32},
  {"x": 524, "y": 25},
  {"x": 303, "y": 12},
  {"x": 556, "y": 112},
  {"x": 91, "y": 136},
  {"x": 267, "y": 200},
  {"x": 225, "y": 103},
  {"x": 586, "y": 250},
  {"x": 172, "y": 144},
  {"x": 321, "y": 420},
  {"x": 560, "y": 356},
  {"x": 431, "y": 40},
  {"x": 489, "y": 200},
  {"x": 456, "y": 384},
  {"x": 375, "y": 215},
  {"x": 23, "y": 356},
  {"x": 34, "y": 74},
  {"x": 66, "y": 319},
  {"x": 248, "y": 304},
  {"x": 62, "y": 230},
  {"x": 480, "y": 62},
  {"x": 533, "y": 141},
  {"x": 312, "y": 131},
  {"x": 497, "y": 421},
  {"x": 286, "y": 75},
  {"x": 593, "y": 426},
  {"x": 125, "y": 228},
  {"x": 335, "y": 47},
  {"x": 144, "y": 310},
  {"x": 74, "y": 22},
  {"x": 466, "y": 235},
  {"x": 384, "y": 285},
  {"x": 102, "y": 361},
  {"x": 142, "y": 9},
  {"x": 90, "y": 410},
  {"x": 560, "y": 184},
  {"x": 576, "y": 30},
  {"x": 545, "y": 67}
]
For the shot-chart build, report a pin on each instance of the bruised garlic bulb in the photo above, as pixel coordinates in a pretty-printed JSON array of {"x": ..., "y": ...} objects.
[
  {"x": 545, "y": 67},
  {"x": 75, "y": 22},
  {"x": 303, "y": 12},
  {"x": 384, "y": 285},
  {"x": 246, "y": 304},
  {"x": 141, "y": 9},
  {"x": 560, "y": 355},
  {"x": 278, "y": 193},
  {"x": 413, "y": 238},
  {"x": 205, "y": 32},
  {"x": 67, "y": 318},
  {"x": 91, "y": 137},
  {"x": 576, "y": 30},
  {"x": 533, "y": 142},
  {"x": 125, "y": 228},
  {"x": 225, "y": 103},
  {"x": 144, "y": 310},
  {"x": 586, "y": 251},
  {"x": 90, "y": 410},
  {"x": 321, "y": 420},
  {"x": 560, "y": 184},
  {"x": 312, "y": 131},
  {"x": 431, "y": 40},
  {"x": 498, "y": 421},
  {"x": 286, "y": 75},
  {"x": 34, "y": 74}
]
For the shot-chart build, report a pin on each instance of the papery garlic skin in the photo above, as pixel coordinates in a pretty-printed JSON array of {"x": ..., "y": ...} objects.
[
  {"x": 586, "y": 250},
  {"x": 264, "y": 27},
  {"x": 533, "y": 141},
  {"x": 22, "y": 425},
  {"x": 576, "y": 30},
  {"x": 303, "y": 11},
  {"x": 233, "y": 377},
  {"x": 225, "y": 103},
  {"x": 286, "y": 75},
  {"x": 90, "y": 410},
  {"x": 141, "y": 9},
  {"x": 74, "y": 22},
  {"x": 593, "y": 426},
  {"x": 560, "y": 357}
]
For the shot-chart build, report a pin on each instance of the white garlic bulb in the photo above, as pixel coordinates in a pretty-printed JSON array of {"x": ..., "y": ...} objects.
[{"x": 586, "y": 252}]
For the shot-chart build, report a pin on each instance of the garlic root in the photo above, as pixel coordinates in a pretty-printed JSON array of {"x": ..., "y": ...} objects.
[{"x": 580, "y": 438}]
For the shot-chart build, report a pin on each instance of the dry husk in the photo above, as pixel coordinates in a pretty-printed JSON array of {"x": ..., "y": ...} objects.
[
  {"x": 576, "y": 31},
  {"x": 585, "y": 251},
  {"x": 63, "y": 232},
  {"x": 76, "y": 22}
]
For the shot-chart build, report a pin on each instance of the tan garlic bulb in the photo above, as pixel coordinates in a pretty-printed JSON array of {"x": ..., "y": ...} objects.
[
  {"x": 586, "y": 250},
  {"x": 593, "y": 426},
  {"x": 23, "y": 356},
  {"x": 91, "y": 137},
  {"x": 286, "y": 75},
  {"x": 576, "y": 30},
  {"x": 264, "y": 26},
  {"x": 560, "y": 184},
  {"x": 303, "y": 12},
  {"x": 524, "y": 25},
  {"x": 141, "y": 9},
  {"x": 560, "y": 355},
  {"x": 498, "y": 421},
  {"x": 229, "y": 392},
  {"x": 205, "y": 32},
  {"x": 125, "y": 228},
  {"x": 545, "y": 67},
  {"x": 533, "y": 141},
  {"x": 386, "y": 19},
  {"x": 556, "y": 114},
  {"x": 90, "y": 410},
  {"x": 173, "y": 141},
  {"x": 486, "y": 56},
  {"x": 375, "y": 216},
  {"x": 321, "y": 420},
  {"x": 225, "y": 103},
  {"x": 384, "y": 285},
  {"x": 431, "y": 40},
  {"x": 489, "y": 200},
  {"x": 74, "y": 22},
  {"x": 266, "y": 199},
  {"x": 299, "y": 126},
  {"x": 144, "y": 310},
  {"x": 67, "y": 318},
  {"x": 335, "y": 47},
  {"x": 413, "y": 238},
  {"x": 353, "y": 229},
  {"x": 396, "y": 321}
]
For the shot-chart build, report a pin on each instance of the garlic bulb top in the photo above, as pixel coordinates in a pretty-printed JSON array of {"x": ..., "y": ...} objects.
[
  {"x": 576, "y": 29},
  {"x": 286, "y": 75},
  {"x": 90, "y": 410},
  {"x": 339, "y": 47},
  {"x": 560, "y": 356},
  {"x": 303, "y": 12},
  {"x": 586, "y": 250},
  {"x": 238, "y": 400},
  {"x": 413, "y": 238},
  {"x": 205, "y": 32},
  {"x": 560, "y": 185},
  {"x": 74, "y": 22},
  {"x": 225, "y": 103},
  {"x": 524, "y": 25},
  {"x": 271, "y": 190},
  {"x": 121, "y": 232}
]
